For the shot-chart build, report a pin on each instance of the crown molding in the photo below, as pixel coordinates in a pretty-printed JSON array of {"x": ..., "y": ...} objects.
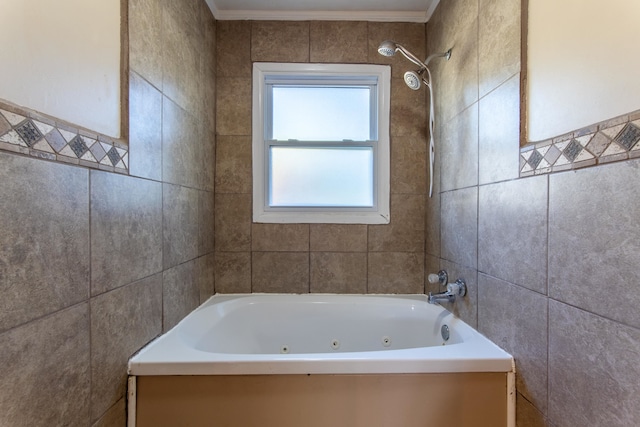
[{"x": 318, "y": 15}]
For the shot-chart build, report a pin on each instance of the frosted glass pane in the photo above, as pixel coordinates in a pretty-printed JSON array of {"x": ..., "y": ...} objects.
[
  {"x": 302, "y": 176},
  {"x": 321, "y": 113}
]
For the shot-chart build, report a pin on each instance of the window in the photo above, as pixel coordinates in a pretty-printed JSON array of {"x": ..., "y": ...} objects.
[{"x": 321, "y": 143}]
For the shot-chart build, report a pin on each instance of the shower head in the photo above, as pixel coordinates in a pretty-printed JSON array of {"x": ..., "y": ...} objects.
[
  {"x": 412, "y": 79},
  {"x": 389, "y": 48}
]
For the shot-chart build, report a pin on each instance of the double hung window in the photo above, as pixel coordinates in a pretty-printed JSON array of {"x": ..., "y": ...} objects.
[{"x": 321, "y": 143}]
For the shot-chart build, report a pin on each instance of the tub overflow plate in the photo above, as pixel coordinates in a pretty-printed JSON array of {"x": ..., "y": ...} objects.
[{"x": 445, "y": 332}]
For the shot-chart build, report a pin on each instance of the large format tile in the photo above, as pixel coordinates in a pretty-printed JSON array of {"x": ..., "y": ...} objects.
[
  {"x": 233, "y": 164},
  {"x": 466, "y": 308},
  {"x": 408, "y": 165},
  {"x": 145, "y": 129},
  {"x": 405, "y": 232},
  {"x": 180, "y": 293},
  {"x": 340, "y": 273},
  {"x": 516, "y": 319},
  {"x": 122, "y": 322},
  {"x": 44, "y": 244},
  {"x": 233, "y": 106},
  {"x": 181, "y": 146},
  {"x": 126, "y": 230},
  {"x": 408, "y": 110},
  {"x": 205, "y": 276},
  {"x": 499, "y": 42},
  {"x": 458, "y": 149},
  {"x": 280, "y": 41},
  {"x": 455, "y": 81},
  {"x": 181, "y": 56},
  {"x": 512, "y": 232},
  {"x": 180, "y": 224},
  {"x": 338, "y": 237},
  {"x": 116, "y": 416},
  {"x": 432, "y": 224},
  {"x": 459, "y": 226},
  {"x": 282, "y": 272},
  {"x": 395, "y": 273},
  {"x": 232, "y": 272},
  {"x": 594, "y": 376},
  {"x": 527, "y": 415},
  {"x": 233, "y": 222},
  {"x": 44, "y": 366},
  {"x": 206, "y": 223},
  {"x": 233, "y": 48},
  {"x": 593, "y": 240},
  {"x": 499, "y": 134},
  {"x": 145, "y": 41},
  {"x": 280, "y": 237},
  {"x": 338, "y": 41}
]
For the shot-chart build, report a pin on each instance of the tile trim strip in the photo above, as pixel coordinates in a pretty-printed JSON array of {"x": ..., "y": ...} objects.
[
  {"x": 27, "y": 132},
  {"x": 608, "y": 141}
]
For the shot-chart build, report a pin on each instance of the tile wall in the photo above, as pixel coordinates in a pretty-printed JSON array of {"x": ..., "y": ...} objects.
[
  {"x": 95, "y": 264},
  {"x": 552, "y": 259},
  {"x": 305, "y": 258}
]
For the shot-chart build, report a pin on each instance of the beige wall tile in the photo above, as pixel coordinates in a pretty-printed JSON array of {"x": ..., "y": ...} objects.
[
  {"x": 233, "y": 222},
  {"x": 594, "y": 376},
  {"x": 116, "y": 416},
  {"x": 499, "y": 42},
  {"x": 233, "y": 272},
  {"x": 405, "y": 232},
  {"x": 180, "y": 293},
  {"x": 145, "y": 39},
  {"x": 280, "y": 237},
  {"x": 408, "y": 110},
  {"x": 44, "y": 244},
  {"x": 180, "y": 225},
  {"x": 45, "y": 371},
  {"x": 338, "y": 41},
  {"x": 206, "y": 225},
  {"x": 395, "y": 273},
  {"x": 145, "y": 129},
  {"x": 459, "y": 226},
  {"x": 286, "y": 272},
  {"x": 341, "y": 273},
  {"x": 122, "y": 321},
  {"x": 516, "y": 319},
  {"x": 233, "y": 164},
  {"x": 279, "y": 41},
  {"x": 234, "y": 49},
  {"x": 338, "y": 237},
  {"x": 205, "y": 276},
  {"x": 181, "y": 145},
  {"x": 233, "y": 109},
  {"x": 409, "y": 165},
  {"x": 458, "y": 151},
  {"x": 126, "y": 230},
  {"x": 527, "y": 415}
]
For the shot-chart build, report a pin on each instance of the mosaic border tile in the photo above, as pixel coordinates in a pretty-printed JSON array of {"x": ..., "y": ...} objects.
[
  {"x": 27, "y": 132},
  {"x": 609, "y": 141}
]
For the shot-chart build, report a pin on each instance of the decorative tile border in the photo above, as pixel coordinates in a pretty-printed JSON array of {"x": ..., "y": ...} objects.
[
  {"x": 609, "y": 141},
  {"x": 27, "y": 132}
]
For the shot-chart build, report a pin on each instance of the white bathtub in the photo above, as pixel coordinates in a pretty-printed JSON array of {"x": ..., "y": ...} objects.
[{"x": 318, "y": 334}]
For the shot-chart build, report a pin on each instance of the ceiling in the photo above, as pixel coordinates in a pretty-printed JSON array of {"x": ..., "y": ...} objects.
[{"x": 330, "y": 10}]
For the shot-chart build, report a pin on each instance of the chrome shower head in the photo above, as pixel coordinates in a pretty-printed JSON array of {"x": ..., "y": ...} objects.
[
  {"x": 412, "y": 79},
  {"x": 389, "y": 48}
]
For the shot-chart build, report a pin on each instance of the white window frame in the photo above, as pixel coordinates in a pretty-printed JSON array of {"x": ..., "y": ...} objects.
[{"x": 263, "y": 213}]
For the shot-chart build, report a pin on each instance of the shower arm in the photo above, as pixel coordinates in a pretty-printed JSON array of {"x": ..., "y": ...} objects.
[{"x": 446, "y": 55}]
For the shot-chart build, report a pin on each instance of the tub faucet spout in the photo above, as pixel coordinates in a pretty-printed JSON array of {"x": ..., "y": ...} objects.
[{"x": 459, "y": 288}]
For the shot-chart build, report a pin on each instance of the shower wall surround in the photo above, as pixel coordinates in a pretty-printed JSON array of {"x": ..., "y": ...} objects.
[
  {"x": 95, "y": 264},
  {"x": 551, "y": 260},
  {"x": 304, "y": 258}
]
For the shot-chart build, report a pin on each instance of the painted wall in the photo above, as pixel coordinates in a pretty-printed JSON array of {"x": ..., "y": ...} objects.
[
  {"x": 93, "y": 265},
  {"x": 303, "y": 258},
  {"x": 62, "y": 58},
  {"x": 547, "y": 258},
  {"x": 582, "y": 66}
]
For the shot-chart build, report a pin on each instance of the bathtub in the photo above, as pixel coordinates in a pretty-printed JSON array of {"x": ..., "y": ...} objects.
[{"x": 307, "y": 342}]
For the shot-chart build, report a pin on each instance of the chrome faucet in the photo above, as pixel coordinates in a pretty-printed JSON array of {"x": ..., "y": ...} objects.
[{"x": 457, "y": 289}]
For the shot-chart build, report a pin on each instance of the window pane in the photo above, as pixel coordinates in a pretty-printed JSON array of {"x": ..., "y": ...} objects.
[
  {"x": 313, "y": 177},
  {"x": 321, "y": 113}
]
